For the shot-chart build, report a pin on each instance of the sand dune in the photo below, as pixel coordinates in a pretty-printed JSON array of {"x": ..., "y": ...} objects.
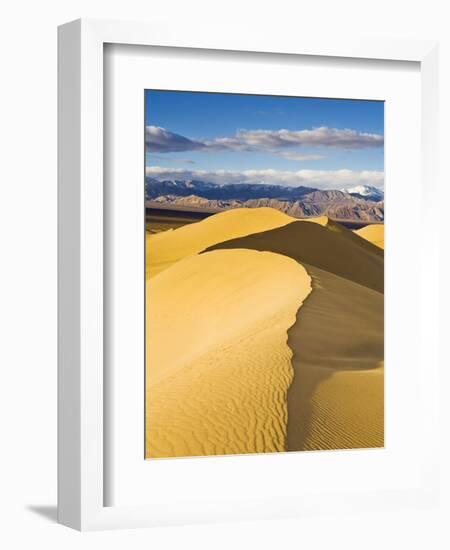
[
  {"x": 218, "y": 363},
  {"x": 336, "y": 399},
  {"x": 321, "y": 220},
  {"x": 235, "y": 365},
  {"x": 331, "y": 248},
  {"x": 373, "y": 233},
  {"x": 164, "y": 249}
]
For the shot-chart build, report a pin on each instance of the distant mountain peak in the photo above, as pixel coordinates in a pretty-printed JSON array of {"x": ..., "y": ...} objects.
[
  {"x": 366, "y": 192},
  {"x": 360, "y": 203},
  {"x": 228, "y": 191}
]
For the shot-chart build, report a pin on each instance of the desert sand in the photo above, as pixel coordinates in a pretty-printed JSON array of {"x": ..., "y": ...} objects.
[
  {"x": 373, "y": 233},
  {"x": 266, "y": 342},
  {"x": 336, "y": 399},
  {"x": 218, "y": 363},
  {"x": 164, "y": 249},
  {"x": 330, "y": 247}
]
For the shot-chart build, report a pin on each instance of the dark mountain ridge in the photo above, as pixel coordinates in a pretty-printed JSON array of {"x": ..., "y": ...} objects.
[
  {"x": 238, "y": 191},
  {"x": 298, "y": 202}
]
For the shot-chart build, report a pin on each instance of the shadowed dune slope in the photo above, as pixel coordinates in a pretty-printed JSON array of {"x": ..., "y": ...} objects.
[
  {"x": 373, "y": 233},
  {"x": 164, "y": 249},
  {"x": 336, "y": 399},
  {"x": 332, "y": 248},
  {"x": 218, "y": 365}
]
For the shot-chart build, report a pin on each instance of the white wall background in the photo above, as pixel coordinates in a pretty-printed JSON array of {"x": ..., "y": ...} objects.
[{"x": 28, "y": 270}]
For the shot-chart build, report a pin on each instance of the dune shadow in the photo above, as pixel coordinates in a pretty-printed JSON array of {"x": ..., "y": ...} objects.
[
  {"x": 333, "y": 248},
  {"x": 340, "y": 326}
]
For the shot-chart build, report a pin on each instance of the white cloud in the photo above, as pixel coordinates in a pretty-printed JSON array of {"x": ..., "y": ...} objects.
[
  {"x": 160, "y": 140},
  {"x": 320, "y": 179},
  {"x": 294, "y": 155},
  {"x": 172, "y": 159},
  {"x": 270, "y": 140}
]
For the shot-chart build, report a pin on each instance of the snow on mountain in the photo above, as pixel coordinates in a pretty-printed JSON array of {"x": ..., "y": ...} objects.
[
  {"x": 367, "y": 192},
  {"x": 360, "y": 203}
]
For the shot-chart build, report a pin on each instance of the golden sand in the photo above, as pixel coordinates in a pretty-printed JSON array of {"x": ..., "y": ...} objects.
[
  {"x": 336, "y": 398},
  {"x": 332, "y": 248},
  {"x": 218, "y": 363},
  {"x": 235, "y": 365},
  {"x": 373, "y": 233},
  {"x": 164, "y": 249},
  {"x": 321, "y": 220}
]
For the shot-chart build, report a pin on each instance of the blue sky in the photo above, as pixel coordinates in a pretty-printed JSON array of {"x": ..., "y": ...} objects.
[{"x": 228, "y": 138}]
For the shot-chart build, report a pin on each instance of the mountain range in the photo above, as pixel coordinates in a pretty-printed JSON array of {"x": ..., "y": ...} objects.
[{"x": 360, "y": 203}]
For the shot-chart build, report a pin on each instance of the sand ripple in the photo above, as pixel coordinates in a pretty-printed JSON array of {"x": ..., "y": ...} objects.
[
  {"x": 235, "y": 365},
  {"x": 218, "y": 363},
  {"x": 336, "y": 399}
]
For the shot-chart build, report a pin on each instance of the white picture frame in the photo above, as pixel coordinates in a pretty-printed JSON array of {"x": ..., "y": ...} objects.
[{"x": 81, "y": 362}]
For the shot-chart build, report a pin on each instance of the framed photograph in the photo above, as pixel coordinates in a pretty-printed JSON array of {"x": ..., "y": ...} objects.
[{"x": 246, "y": 325}]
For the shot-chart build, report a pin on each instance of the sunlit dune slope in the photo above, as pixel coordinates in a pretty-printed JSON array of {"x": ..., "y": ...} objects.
[
  {"x": 332, "y": 248},
  {"x": 336, "y": 399},
  {"x": 218, "y": 363},
  {"x": 321, "y": 220},
  {"x": 164, "y": 249},
  {"x": 373, "y": 233}
]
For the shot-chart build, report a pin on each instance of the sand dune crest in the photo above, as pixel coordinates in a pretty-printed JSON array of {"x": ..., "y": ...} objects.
[
  {"x": 164, "y": 249},
  {"x": 218, "y": 363},
  {"x": 373, "y": 233},
  {"x": 332, "y": 248},
  {"x": 336, "y": 398}
]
